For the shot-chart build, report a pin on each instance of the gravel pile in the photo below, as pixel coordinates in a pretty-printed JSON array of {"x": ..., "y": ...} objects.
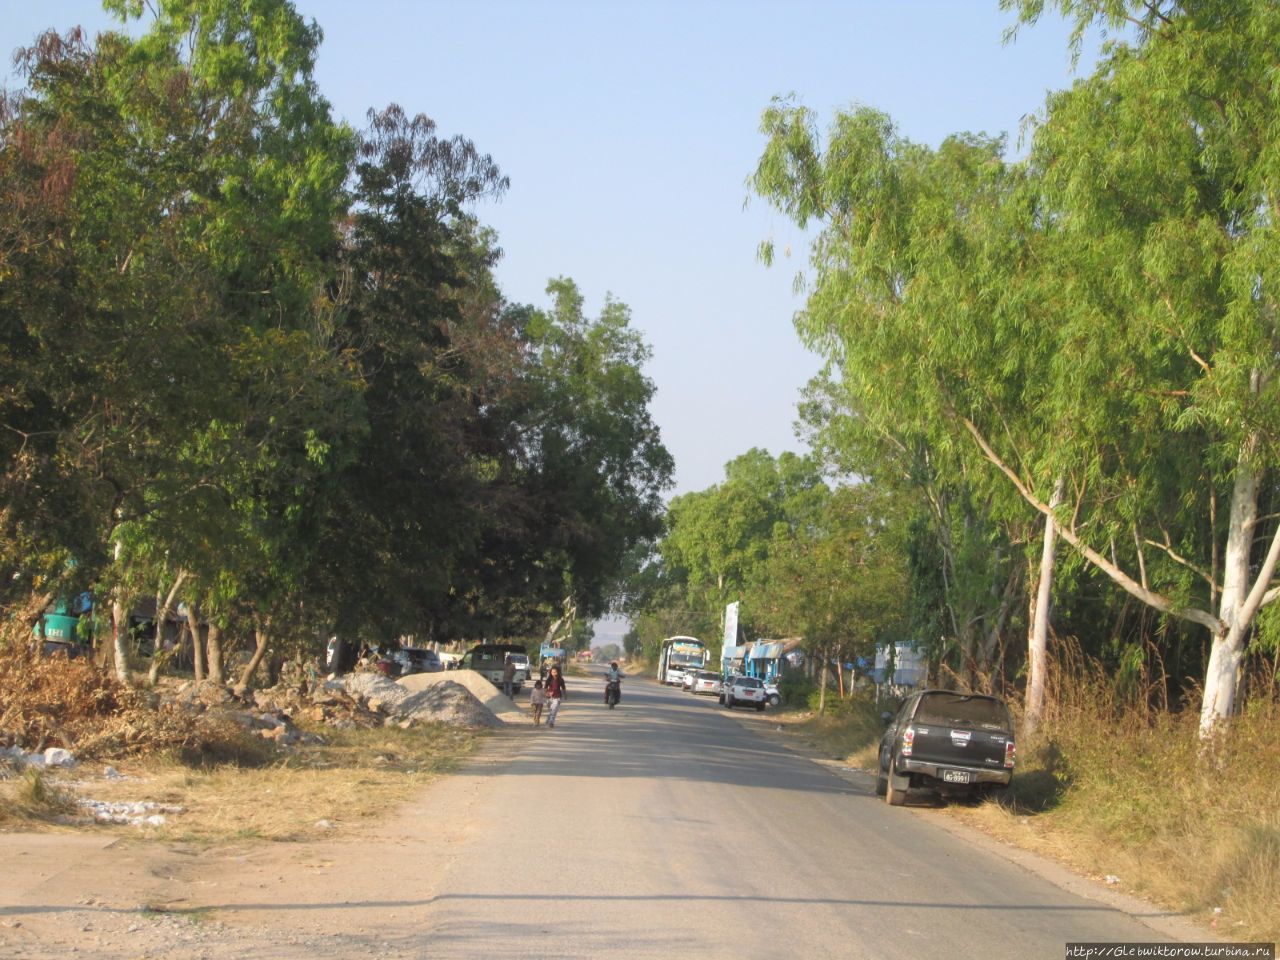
[
  {"x": 441, "y": 702},
  {"x": 502, "y": 706},
  {"x": 449, "y": 703}
]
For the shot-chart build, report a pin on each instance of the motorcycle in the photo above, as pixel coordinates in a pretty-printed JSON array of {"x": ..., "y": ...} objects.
[{"x": 612, "y": 693}]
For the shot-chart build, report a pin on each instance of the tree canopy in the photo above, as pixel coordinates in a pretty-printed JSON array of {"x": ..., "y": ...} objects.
[{"x": 259, "y": 361}]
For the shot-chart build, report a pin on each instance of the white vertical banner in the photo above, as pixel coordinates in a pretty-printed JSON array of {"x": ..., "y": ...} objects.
[{"x": 730, "y": 626}]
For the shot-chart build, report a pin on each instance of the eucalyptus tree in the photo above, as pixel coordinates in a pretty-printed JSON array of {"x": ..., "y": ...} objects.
[
  {"x": 928, "y": 303},
  {"x": 963, "y": 542},
  {"x": 1099, "y": 321},
  {"x": 1162, "y": 169}
]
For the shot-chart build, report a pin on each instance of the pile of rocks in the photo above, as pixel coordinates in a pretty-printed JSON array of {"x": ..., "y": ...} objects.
[
  {"x": 444, "y": 702},
  {"x": 501, "y": 706},
  {"x": 138, "y": 813},
  {"x": 19, "y": 759}
]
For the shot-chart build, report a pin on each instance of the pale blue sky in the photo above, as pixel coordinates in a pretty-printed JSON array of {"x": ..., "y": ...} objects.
[{"x": 628, "y": 129}]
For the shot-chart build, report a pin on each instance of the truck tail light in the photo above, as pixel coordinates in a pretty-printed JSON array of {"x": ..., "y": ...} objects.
[
  {"x": 908, "y": 738},
  {"x": 1009, "y": 752}
]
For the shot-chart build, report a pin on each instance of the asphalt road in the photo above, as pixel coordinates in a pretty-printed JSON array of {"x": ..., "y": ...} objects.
[
  {"x": 667, "y": 828},
  {"x": 671, "y": 827}
]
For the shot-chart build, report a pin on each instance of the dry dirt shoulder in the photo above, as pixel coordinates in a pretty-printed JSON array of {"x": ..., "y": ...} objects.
[{"x": 367, "y": 891}]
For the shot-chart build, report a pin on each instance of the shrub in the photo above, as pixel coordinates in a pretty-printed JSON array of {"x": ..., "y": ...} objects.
[{"x": 795, "y": 690}]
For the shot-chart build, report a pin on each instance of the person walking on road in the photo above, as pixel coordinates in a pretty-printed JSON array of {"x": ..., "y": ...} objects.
[
  {"x": 556, "y": 692},
  {"x": 537, "y": 700},
  {"x": 508, "y": 675}
]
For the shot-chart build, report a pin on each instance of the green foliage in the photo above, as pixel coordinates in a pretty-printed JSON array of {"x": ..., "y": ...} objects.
[
  {"x": 1100, "y": 314},
  {"x": 248, "y": 351},
  {"x": 839, "y": 581},
  {"x": 796, "y": 689},
  {"x": 717, "y": 540}
]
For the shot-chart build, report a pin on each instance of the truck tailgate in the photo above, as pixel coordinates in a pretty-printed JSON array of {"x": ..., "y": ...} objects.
[{"x": 962, "y": 746}]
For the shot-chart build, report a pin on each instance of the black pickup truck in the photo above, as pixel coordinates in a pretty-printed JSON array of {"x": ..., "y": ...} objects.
[{"x": 956, "y": 743}]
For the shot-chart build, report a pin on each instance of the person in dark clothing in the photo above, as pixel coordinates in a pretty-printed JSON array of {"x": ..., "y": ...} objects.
[
  {"x": 508, "y": 676},
  {"x": 556, "y": 692}
]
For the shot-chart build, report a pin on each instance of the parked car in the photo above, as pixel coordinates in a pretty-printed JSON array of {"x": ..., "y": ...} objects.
[
  {"x": 955, "y": 743},
  {"x": 707, "y": 681},
  {"x": 743, "y": 690},
  {"x": 521, "y": 661},
  {"x": 414, "y": 660},
  {"x": 771, "y": 694}
]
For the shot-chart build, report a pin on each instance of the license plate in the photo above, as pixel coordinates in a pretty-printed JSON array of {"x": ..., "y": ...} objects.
[{"x": 955, "y": 776}]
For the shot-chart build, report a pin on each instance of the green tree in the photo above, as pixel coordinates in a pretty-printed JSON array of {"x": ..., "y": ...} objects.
[
  {"x": 839, "y": 582},
  {"x": 718, "y": 539},
  {"x": 1097, "y": 321}
]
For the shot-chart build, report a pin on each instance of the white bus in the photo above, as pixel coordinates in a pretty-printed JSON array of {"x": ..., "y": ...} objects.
[{"x": 680, "y": 654}]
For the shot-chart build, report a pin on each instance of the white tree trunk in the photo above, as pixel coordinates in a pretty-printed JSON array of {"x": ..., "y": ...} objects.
[
  {"x": 120, "y": 638},
  {"x": 1227, "y": 652},
  {"x": 197, "y": 642},
  {"x": 1038, "y": 637}
]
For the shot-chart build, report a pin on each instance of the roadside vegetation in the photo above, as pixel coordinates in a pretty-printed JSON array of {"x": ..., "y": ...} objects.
[
  {"x": 228, "y": 781},
  {"x": 258, "y": 370},
  {"x": 244, "y": 789}
]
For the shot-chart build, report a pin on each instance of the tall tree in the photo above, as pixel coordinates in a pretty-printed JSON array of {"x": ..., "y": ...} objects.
[{"x": 1097, "y": 320}]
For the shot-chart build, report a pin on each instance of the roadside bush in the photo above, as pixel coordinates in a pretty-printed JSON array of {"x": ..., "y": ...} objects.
[
  {"x": 795, "y": 690},
  {"x": 51, "y": 701}
]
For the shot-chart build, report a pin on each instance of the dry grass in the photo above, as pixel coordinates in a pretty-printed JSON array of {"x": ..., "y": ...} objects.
[
  {"x": 52, "y": 701},
  {"x": 1132, "y": 796},
  {"x": 354, "y": 776},
  {"x": 33, "y": 798},
  {"x": 849, "y": 730}
]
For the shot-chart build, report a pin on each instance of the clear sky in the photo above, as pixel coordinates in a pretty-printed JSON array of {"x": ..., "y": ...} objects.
[{"x": 628, "y": 128}]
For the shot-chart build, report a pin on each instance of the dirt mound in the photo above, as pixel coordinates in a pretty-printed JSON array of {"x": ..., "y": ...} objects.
[
  {"x": 498, "y": 703},
  {"x": 453, "y": 703},
  {"x": 449, "y": 703}
]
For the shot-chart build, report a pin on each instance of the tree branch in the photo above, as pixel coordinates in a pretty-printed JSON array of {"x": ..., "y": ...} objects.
[
  {"x": 1126, "y": 582},
  {"x": 1259, "y": 594},
  {"x": 1177, "y": 558}
]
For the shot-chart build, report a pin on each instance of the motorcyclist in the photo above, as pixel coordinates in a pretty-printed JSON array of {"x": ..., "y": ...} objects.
[{"x": 613, "y": 682}]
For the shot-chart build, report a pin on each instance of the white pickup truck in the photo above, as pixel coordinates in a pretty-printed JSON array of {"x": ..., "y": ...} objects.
[{"x": 490, "y": 660}]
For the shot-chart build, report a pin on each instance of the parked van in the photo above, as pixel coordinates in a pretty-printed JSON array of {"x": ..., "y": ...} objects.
[{"x": 490, "y": 659}]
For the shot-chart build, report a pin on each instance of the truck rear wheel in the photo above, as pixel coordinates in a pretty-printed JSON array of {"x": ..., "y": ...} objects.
[{"x": 896, "y": 786}]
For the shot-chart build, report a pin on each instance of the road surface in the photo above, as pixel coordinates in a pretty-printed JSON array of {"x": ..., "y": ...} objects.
[{"x": 666, "y": 828}]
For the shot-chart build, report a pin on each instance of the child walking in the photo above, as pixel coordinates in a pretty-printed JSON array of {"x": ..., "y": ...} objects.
[
  {"x": 556, "y": 692},
  {"x": 536, "y": 700}
]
